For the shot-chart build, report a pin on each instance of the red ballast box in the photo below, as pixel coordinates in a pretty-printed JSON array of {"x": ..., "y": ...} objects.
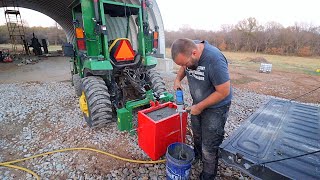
[{"x": 158, "y": 127}]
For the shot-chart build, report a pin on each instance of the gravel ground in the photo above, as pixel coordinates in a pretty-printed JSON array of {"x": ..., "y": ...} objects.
[{"x": 42, "y": 117}]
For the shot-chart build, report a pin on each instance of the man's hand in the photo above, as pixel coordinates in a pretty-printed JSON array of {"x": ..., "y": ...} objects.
[
  {"x": 194, "y": 110},
  {"x": 177, "y": 84}
]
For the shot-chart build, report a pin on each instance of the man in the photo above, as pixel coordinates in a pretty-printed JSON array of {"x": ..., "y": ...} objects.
[{"x": 207, "y": 71}]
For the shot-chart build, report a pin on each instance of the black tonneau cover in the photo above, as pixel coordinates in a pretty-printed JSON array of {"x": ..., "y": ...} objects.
[{"x": 280, "y": 129}]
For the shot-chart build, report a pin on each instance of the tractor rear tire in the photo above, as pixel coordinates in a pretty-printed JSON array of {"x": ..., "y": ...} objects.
[
  {"x": 156, "y": 82},
  {"x": 98, "y": 102},
  {"x": 76, "y": 80}
]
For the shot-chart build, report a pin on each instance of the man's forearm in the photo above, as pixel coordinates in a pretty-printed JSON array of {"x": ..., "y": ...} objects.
[
  {"x": 181, "y": 74},
  {"x": 214, "y": 98}
]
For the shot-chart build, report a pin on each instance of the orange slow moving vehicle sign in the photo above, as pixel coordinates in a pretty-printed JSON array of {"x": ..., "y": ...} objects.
[{"x": 124, "y": 51}]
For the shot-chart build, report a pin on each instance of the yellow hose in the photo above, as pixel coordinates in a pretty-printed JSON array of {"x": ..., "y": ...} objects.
[
  {"x": 8, "y": 163},
  {"x": 24, "y": 169}
]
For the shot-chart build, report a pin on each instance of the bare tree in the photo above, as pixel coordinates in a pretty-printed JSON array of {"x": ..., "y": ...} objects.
[
  {"x": 25, "y": 23},
  {"x": 248, "y": 27},
  {"x": 248, "y": 35},
  {"x": 272, "y": 32}
]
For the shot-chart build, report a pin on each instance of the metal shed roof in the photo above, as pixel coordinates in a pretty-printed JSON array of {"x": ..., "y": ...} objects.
[{"x": 59, "y": 11}]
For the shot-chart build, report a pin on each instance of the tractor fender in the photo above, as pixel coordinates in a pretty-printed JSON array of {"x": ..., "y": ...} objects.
[{"x": 96, "y": 67}]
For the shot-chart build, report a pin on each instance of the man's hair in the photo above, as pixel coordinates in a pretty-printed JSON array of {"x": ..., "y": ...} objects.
[{"x": 183, "y": 46}]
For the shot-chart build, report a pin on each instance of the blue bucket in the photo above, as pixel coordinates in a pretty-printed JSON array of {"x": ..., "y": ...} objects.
[{"x": 177, "y": 168}]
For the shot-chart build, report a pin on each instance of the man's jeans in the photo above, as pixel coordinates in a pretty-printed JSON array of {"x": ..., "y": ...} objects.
[{"x": 208, "y": 133}]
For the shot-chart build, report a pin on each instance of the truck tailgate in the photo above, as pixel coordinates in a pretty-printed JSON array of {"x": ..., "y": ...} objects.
[{"x": 280, "y": 129}]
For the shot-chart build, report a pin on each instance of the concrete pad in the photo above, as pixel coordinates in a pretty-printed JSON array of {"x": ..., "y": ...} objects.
[
  {"x": 46, "y": 70},
  {"x": 167, "y": 65}
]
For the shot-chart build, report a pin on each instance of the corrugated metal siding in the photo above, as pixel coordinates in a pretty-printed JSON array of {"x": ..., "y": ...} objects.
[{"x": 58, "y": 10}]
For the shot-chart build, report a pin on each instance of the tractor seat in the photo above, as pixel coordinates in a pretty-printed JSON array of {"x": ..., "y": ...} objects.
[{"x": 121, "y": 51}]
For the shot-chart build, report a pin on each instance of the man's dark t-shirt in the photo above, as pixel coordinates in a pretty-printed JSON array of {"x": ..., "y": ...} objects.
[{"x": 212, "y": 70}]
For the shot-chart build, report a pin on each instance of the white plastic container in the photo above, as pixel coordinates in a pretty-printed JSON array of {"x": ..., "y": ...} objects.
[{"x": 265, "y": 68}]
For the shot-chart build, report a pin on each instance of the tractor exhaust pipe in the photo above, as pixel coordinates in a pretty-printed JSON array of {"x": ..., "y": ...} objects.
[
  {"x": 96, "y": 10},
  {"x": 144, "y": 10},
  {"x": 145, "y": 17}
]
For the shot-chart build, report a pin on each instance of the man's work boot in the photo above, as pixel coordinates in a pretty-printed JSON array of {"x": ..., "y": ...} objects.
[
  {"x": 210, "y": 164},
  {"x": 197, "y": 160},
  {"x": 206, "y": 176}
]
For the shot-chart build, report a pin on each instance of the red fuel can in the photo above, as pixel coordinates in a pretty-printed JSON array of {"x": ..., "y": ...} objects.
[{"x": 158, "y": 127}]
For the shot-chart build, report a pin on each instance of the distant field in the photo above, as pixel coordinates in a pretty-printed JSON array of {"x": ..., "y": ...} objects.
[
  {"x": 55, "y": 48},
  {"x": 20, "y": 48},
  {"x": 305, "y": 65}
]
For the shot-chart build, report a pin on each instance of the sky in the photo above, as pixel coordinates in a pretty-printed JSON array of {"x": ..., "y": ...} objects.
[
  {"x": 212, "y": 14},
  {"x": 33, "y": 18}
]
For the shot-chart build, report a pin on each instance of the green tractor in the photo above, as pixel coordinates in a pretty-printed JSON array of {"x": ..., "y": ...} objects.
[{"x": 109, "y": 75}]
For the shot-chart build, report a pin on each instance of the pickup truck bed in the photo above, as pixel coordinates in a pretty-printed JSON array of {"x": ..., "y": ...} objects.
[{"x": 280, "y": 129}]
